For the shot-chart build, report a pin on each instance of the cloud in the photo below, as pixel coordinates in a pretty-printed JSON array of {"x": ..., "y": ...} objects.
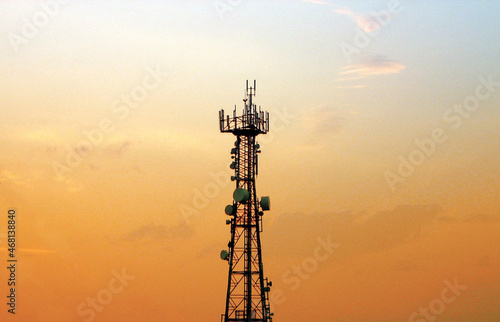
[
  {"x": 320, "y": 2},
  {"x": 484, "y": 261},
  {"x": 211, "y": 250},
  {"x": 369, "y": 23},
  {"x": 159, "y": 232},
  {"x": 117, "y": 149},
  {"x": 350, "y": 87},
  {"x": 374, "y": 65},
  {"x": 323, "y": 120},
  {"x": 72, "y": 184},
  {"x": 471, "y": 218},
  {"x": 27, "y": 181},
  {"x": 481, "y": 218},
  {"x": 357, "y": 233},
  {"x": 7, "y": 175},
  {"x": 318, "y": 125},
  {"x": 366, "y": 22}
]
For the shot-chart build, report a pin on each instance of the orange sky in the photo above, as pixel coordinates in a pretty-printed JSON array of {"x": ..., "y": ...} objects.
[{"x": 113, "y": 160}]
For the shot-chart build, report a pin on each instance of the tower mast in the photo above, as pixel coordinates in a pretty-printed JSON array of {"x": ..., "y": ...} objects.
[{"x": 247, "y": 296}]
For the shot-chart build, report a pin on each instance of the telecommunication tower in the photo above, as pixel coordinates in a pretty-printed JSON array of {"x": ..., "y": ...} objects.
[{"x": 247, "y": 296}]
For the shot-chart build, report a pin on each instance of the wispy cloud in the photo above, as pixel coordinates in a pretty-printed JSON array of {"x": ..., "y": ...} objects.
[
  {"x": 357, "y": 232},
  {"x": 323, "y": 120},
  {"x": 369, "y": 23},
  {"x": 320, "y": 2},
  {"x": 374, "y": 65},
  {"x": 159, "y": 232},
  {"x": 320, "y": 124},
  {"x": 10, "y": 176},
  {"x": 366, "y": 22},
  {"x": 118, "y": 148},
  {"x": 7, "y": 175},
  {"x": 470, "y": 218},
  {"x": 351, "y": 87}
]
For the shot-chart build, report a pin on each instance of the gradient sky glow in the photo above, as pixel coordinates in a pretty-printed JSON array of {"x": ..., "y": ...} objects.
[{"x": 384, "y": 139}]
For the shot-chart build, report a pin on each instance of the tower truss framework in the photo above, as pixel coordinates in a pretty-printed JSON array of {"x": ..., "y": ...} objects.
[{"x": 247, "y": 296}]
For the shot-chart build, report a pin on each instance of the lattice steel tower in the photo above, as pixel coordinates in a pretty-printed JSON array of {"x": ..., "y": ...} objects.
[{"x": 247, "y": 291}]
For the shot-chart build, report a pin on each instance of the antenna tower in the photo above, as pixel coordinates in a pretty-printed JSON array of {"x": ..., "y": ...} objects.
[{"x": 247, "y": 296}]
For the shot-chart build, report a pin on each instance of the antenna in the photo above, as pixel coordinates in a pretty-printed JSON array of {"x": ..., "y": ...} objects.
[{"x": 247, "y": 297}]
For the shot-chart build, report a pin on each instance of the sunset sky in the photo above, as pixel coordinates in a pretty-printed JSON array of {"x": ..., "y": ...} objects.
[{"x": 384, "y": 141}]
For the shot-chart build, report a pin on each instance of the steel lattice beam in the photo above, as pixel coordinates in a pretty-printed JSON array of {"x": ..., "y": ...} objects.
[{"x": 247, "y": 301}]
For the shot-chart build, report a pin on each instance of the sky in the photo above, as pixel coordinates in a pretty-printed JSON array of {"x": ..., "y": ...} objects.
[{"x": 381, "y": 161}]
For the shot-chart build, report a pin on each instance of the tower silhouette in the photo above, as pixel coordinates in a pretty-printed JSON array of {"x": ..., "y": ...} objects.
[{"x": 247, "y": 296}]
